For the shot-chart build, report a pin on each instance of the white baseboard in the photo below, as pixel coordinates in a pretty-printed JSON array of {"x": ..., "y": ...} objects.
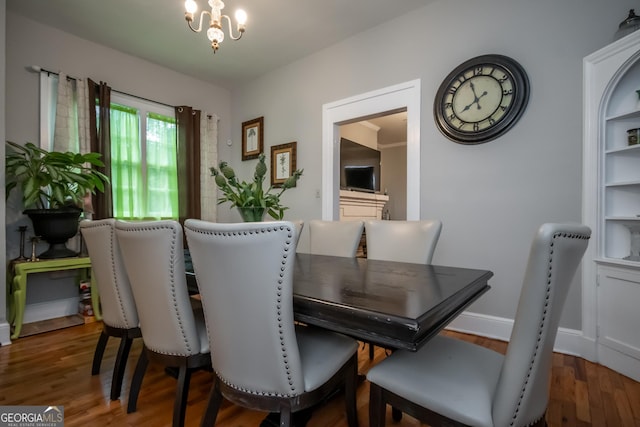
[
  {"x": 619, "y": 362},
  {"x": 568, "y": 341},
  {"x": 5, "y": 333},
  {"x": 50, "y": 310}
]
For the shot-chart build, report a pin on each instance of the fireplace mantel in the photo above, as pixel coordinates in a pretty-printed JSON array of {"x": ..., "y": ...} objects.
[{"x": 356, "y": 205}]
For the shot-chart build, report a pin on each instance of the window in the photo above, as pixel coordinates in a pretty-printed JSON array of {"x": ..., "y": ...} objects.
[
  {"x": 143, "y": 159},
  {"x": 143, "y": 150}
]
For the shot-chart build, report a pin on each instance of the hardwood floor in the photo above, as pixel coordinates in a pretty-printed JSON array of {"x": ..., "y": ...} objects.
[{"x": 54, "y": 368}]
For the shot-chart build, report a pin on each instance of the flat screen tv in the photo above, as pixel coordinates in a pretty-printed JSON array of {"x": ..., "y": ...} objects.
[{"x": 359, "y": 167}]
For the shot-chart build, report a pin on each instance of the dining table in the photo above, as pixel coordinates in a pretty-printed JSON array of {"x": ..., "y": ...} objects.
[{"x": 395, "y": 305}]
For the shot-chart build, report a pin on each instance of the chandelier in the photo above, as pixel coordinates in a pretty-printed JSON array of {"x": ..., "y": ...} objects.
[{"x": 215, "y": 33}]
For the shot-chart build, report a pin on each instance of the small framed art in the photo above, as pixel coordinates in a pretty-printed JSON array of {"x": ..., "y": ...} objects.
[
  {"x": 283, "y": 163},
  {"x": 252, "y": 138}
]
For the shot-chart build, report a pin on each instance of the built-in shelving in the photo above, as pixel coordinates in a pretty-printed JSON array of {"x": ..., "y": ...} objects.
[{"x": 611, "y": 205}]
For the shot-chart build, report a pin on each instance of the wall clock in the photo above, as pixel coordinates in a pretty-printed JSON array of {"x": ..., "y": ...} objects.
[{"x": 481, "y": 99}]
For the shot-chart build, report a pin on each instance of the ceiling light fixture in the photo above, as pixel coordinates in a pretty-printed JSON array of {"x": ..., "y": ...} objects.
[{"x": 215, "y": 33}]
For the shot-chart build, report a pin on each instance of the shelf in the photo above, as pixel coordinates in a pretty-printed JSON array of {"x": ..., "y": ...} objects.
[
  {"x": 623, "y": 184},
  {"x": 626, "y": 115},
  {"x": 618, "y": 261},
  {"x": 623, "y": 218},
  {"x": 628, "y": 150}
]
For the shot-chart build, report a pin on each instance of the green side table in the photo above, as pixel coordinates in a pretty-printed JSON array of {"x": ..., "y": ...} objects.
[{"x": 18, "y": 284}]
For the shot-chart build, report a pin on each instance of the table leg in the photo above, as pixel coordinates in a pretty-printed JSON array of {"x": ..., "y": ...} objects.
[
  {"x": 95, "y": 298},
  {"x": 18, "y": 300}
]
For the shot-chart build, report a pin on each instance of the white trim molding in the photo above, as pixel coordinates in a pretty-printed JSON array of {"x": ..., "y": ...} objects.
[{"x": 393, "y": 98}]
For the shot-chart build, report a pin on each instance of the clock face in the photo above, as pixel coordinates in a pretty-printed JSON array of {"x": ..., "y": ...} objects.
[{"x": 481, "y": 99}]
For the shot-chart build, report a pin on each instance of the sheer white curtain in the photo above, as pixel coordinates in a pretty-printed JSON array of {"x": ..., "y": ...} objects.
[
  {"x": 64, "y": 113},
  {"x": 208, "y": 158},
  {"x": 82, "y": 97},
  {"x": 65, "y": 135},
  {"x": 48, "y": 97}
]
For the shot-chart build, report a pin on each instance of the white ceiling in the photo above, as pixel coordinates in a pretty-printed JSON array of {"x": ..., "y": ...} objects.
[{"x": 278, "y": 31}]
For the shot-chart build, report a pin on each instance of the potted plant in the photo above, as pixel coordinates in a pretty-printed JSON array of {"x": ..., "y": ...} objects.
[
  {"x": 53, "y": 186},
  {"x": 250, "y": 198}
]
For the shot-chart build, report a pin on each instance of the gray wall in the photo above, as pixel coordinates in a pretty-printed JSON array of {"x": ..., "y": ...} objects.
[{"x": 491, "y": 197}]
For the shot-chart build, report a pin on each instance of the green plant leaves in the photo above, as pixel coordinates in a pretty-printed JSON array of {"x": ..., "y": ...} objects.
[
  {"x": 51, "y": 179},
  {"x": 251, "y": 194}
]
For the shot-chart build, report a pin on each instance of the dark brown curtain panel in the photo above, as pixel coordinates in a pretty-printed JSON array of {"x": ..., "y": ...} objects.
[
  {"x": 100, "y": 100},
  {"x": 188, "y": 146}
]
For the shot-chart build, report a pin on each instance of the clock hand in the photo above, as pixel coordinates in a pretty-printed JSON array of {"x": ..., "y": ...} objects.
[{"x": 478, "y": 99}]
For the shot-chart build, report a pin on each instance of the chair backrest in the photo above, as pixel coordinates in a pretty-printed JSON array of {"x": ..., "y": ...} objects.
[
  {"x": 116, "y": 299},
  {"x": 299, "y": 224},
  {"x": 336, "y": 238},
  {"x": 154, "y": 258},
  {"x": 522, "y": 391},
  {"x": 244, "y": 273},
  {"x": 403, "y": 241}
]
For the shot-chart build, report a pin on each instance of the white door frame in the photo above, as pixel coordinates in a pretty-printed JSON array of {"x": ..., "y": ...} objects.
[{"x": 404, "y": 95}]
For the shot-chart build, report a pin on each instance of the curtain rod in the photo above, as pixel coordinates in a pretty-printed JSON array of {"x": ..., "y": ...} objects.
[{"x": 38, "y": 69}]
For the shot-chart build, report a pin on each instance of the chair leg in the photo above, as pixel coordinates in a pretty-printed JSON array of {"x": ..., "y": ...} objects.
[
  {"x": 119, "y": 366},
  {"x": 182, "y": 392},
  {"x": 213, "y": 405},
  {"x": 371, "y": 348},
  {"x": 396, "y": 414},
  {"x": 136, "y": 381},
  {"x": 97, "y": 355},
  {"x": 285, "y": 417},
  {"x": 351, "y": 383},
  {"x": 377, "y": 408}
]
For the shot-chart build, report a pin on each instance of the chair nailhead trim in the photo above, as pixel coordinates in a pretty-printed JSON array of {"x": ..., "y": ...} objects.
[
  {"x": 543, "y": 321},
  {"x": 285, "y": 250},
  {"x": 172, "y": 280},
  {"x": 114, "y": 275}
]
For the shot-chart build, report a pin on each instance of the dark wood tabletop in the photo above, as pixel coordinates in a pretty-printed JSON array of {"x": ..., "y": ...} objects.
[{"x": 390, "y": 304}]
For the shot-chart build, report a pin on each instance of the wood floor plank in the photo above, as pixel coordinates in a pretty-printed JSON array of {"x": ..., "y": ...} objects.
[{"x": 53, "y": 368}]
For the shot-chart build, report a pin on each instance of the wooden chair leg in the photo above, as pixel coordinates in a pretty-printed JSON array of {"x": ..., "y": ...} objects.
[
  {"x": 213, "y": 405},
  {"x": 351, "y": 383},
  {"x": 136, "y": 381},
  {"x": 182, "y": 392},
  {"x": 97, "y": 355},
  {"x": 396, "y": 414},
  {"x": 119, "y": 366},
  {"x": 377, "y": 408},
  {"x": 285, "y": 417}
]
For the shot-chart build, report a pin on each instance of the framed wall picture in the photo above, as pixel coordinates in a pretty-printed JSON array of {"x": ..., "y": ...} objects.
[
  {"x": 252, "y": 138},
  {"x": 283, "y": 163}
]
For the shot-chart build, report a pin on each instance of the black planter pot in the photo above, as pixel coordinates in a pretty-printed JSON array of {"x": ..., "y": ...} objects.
[{"x": 55, "y": 226}]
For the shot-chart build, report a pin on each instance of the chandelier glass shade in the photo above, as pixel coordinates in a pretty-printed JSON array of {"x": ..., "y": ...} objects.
[{"x": 214, "y": 32}]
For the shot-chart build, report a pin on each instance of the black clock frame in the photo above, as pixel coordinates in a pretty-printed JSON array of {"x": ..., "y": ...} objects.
[{"x": 520, "y": 99}]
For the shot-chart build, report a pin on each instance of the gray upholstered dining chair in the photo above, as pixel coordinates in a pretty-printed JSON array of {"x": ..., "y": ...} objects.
[
  {"x": 454, "y": 382},
  {"x": 263, "y": 360},
  {"x": 402, "y": 241},
  {"x": 119, "y": 314},
  {"x": 173, "y": 333},
  {"x": 335, "y": 238},
  {"x": 299, "y": 224}
]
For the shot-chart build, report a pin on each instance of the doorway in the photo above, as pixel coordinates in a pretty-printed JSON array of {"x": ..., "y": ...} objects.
[{"x": 404, "y": 96}]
